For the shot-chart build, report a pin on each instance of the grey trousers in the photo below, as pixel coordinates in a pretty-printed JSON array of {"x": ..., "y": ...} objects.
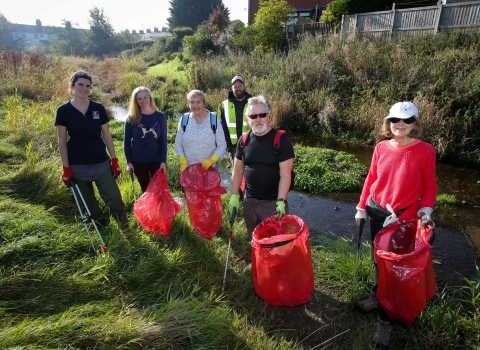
[
  {"x": 110, "y": 193},
  {"x": 257, "y": 210}
]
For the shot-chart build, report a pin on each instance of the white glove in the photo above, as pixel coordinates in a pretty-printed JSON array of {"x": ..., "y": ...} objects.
[
  {"x": 391, "y": 218},
  {"x": 424, "y": 214},
  {"x": 361, "y": 214}
]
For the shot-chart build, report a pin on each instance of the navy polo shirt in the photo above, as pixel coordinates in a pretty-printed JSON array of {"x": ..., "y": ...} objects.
[{"x": 85, "y": 144}]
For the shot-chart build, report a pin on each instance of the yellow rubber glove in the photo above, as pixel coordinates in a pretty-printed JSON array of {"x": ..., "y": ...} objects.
[
  {"x": 183, "y": 163},
  {"x": 209, "y": 162}
]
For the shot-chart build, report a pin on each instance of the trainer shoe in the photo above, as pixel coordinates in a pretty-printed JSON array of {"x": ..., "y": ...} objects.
[
  {"x": 367, "y": 305},
  {"x": 381, "y": 339}
]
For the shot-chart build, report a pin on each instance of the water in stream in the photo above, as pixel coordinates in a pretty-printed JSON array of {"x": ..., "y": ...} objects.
[{"x": 333, "y": 214}]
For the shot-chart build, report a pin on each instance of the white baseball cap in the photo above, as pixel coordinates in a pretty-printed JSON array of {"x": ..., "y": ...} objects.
[
  {"x": 403, "y": 110},
  {"x": 237, "y": 77}
]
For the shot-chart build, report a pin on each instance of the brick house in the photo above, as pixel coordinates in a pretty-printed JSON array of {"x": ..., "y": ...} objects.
[{"x": 312, "y": 9}]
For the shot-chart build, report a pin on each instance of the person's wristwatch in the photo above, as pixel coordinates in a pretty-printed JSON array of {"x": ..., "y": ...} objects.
[{"x": 281, "y": 199}]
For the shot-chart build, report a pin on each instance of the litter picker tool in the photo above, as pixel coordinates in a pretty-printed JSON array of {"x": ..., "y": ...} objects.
[
  {"x": 359, "y": 245},
  {"x": 87, "y": 218},
  {"x": 133, "y": 185},
  {"x": 232, "y": 219}
]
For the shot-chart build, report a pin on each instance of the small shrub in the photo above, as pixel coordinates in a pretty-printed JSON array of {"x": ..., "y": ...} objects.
[{"x": 446, "y": 199}]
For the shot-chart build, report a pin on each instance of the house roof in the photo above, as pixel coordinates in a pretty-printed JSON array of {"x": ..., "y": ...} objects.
[
  {"x": 153, "y": 35},
  {"x": 28, "y": 28}
]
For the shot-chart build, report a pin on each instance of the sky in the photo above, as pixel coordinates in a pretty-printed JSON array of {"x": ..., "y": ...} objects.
[{"x": 122, "y": 14}]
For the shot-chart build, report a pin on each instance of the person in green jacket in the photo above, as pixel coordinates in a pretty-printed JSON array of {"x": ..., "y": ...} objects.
[{"x": 232, "y": 113}]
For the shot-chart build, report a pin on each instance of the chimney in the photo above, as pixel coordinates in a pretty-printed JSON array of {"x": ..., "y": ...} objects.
[{"x": 38, "y": 23}]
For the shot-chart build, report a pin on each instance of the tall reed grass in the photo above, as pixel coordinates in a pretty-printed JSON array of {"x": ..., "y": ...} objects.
[{"x": 344, "y": 88}]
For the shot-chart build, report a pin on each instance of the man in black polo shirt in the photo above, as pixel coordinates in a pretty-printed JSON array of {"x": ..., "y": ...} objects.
[{"x": 268, "y": 175}]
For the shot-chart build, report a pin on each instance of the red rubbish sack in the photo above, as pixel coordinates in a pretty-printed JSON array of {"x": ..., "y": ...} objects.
[
  {"x": 282, "y": 269},
  {"x": 202, "y": 194},
  {"x": 406, "y": 278},
  {"x": 155, "y": 210}
]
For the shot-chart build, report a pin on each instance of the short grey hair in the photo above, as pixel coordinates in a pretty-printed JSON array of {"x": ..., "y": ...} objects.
[{"x": 257, "y": 100}]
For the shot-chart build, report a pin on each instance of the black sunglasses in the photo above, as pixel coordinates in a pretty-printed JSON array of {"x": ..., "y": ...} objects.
[
  {"x": 261, "y": 115},
  {"x": 410, "y": 120}
]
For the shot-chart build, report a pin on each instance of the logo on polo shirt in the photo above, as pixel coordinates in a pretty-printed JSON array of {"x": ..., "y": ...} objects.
[{"x": 96, "y": 115}]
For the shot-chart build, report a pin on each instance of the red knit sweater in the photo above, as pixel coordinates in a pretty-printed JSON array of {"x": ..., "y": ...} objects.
[{"x": 401, "y": 176}]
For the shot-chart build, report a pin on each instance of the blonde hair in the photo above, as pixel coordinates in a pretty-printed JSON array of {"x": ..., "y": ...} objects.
[
  {"x": 197, "y": 93},
  {"x": 416, "y": 132},
  {"x": 134, "y": 112}
]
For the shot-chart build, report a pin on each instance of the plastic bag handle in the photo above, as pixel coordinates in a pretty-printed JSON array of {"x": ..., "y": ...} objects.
[{"x": 276, "y": 244}]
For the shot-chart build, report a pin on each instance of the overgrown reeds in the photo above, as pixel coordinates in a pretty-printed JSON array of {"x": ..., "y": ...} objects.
[{"x": 344, "y": 88}]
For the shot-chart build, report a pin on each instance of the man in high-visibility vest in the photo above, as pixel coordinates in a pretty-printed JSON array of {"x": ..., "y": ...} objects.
[{"x": 232, "y": 113}]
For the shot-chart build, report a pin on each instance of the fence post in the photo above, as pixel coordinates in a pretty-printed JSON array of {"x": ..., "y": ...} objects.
[
  {"x": 392, "y": 23},
  {"x": 341, "y": 27},
  {"x": 439, "y": 14},
  {"x": 355, "y": 28}
]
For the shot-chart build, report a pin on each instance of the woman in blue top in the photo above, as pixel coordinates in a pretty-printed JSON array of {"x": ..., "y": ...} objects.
[
  {"x": 145, "y": 137},
  {"x": 83, "y": 135}
]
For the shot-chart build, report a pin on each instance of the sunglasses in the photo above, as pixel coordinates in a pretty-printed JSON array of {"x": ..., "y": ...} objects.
[
  {"x": 410, "y": 120},
  {"x": 261, "y": 115}
]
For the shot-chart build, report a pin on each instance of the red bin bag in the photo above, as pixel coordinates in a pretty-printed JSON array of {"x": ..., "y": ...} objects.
[
  {"x": 406, "y": 278},
  {"x": 282, "y": 269},
  {"x": 155, "y": 210},
  {"x": 202, "y": 194}
]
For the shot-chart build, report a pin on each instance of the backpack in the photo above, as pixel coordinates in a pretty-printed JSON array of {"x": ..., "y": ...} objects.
[
  {"x": 276, "y": 145},
  {"x": 213, "y": 121}
]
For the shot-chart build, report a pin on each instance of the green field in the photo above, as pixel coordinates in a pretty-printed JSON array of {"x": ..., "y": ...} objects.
[{"x": 174, "y": 69}]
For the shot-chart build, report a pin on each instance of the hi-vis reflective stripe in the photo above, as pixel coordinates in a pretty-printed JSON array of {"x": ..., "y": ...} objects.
[{"x": 230, "y": 118}]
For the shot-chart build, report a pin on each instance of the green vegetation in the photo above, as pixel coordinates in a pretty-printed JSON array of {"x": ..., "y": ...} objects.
[
  {"x": 161, "y": 292},
  {"x": 173, "y": 69},
  {"x": 319, "y": 170},
  {"x": 446, "y": 199},
  {"x": 343, "y": 89}
]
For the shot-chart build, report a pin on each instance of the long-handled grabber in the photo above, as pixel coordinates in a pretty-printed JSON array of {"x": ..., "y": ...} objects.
[
  {"x": 87, "y": 218},
  {"x": 232, "y": 219},
  {"x": 133, "y": 185},
  {"x": 359, "y": 245}
]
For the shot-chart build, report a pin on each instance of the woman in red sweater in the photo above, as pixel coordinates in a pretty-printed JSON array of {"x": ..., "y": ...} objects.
[{"x": 401, "y": 176}]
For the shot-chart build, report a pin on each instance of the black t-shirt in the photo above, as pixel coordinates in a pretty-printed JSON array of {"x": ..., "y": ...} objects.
[
  {"x": 262, "y": 170},
  {"x": 85, "y": 144}
]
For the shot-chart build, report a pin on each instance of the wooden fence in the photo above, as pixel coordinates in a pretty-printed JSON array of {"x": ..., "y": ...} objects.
[
  {"x": 415, "y": 21},
  {"x": 462, "y": 16},
  {"x": 317, "y": 28}
]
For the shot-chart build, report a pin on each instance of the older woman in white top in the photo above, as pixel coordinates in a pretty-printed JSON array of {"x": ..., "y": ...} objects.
[{"x": 199, "y": 143}]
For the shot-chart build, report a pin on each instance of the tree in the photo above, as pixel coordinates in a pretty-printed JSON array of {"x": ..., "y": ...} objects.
[
  {"x": 68, "y": 40},
  {"x": 269, "y": 20},
  {"x": 190, "y": 13},
  {"x": 226, "y": 39},
  {"x": 200, "y": 43},
  {"x": 100, "y": 38},
  {"x": 217, "y": 22},
  {"x": 5, "y": 32},
  {"x": 127, "y": 39}
]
